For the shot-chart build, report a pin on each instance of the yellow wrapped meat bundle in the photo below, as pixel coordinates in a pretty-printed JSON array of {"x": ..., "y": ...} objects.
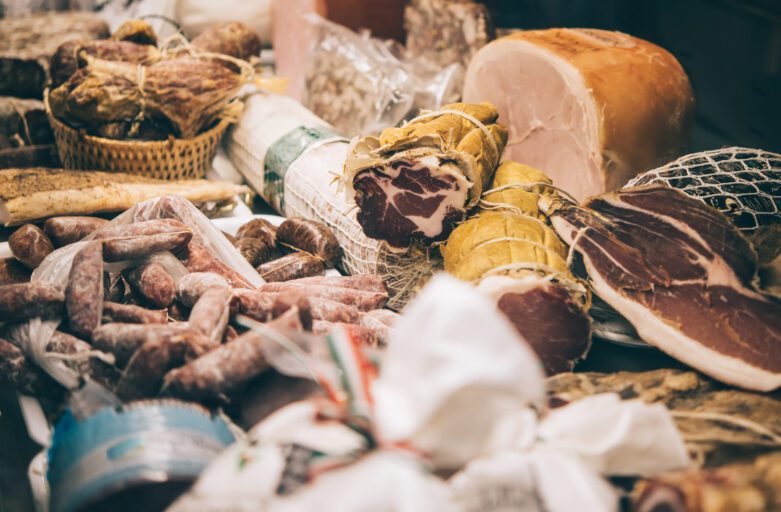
[
  {"x": 416, "y": 182},
  {"x": 511, "y": 253}
]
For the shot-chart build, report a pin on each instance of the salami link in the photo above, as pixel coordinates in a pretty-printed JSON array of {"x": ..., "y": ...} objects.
[
  {"x": 128, "y": 313},
  {"x": 153, "y": 284},
  {"x": 17, "y": 372},
  {"x": 13, "y": 272},
  {"x": 362, "y": 282},
  {"x": 144, "y": 373},
  {"x": 259, "y": 305},
  {"x": 135, "y": 247},
  {"x": 254, "y": 250},
  {"x": 84, "y": 293},
  {"x": 30, "y": 300},
  {"x": 309, "y": 236},
  {"x": 211, "y": 313},
  {"x": 227, "y": 368},
  {"x": 260, "y": 229},
  {"x": 67, "y": 230},
  {"x": 196, "y": 258},
  {"x": 30, "y": 245},
  {"x": 292, "y": 266},
  {"x": 363, "y": 300},
  {"x": 123, "y": 339},
  {"x": 193, "y": 285}
]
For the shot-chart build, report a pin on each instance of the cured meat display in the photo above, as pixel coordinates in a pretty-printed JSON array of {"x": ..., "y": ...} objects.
[
  {"x": 553, "y": 87},
  {"x": 416, "y": 182},
  {"x": 742, "y": 183},
  {"x": 494, "y": 280},
  {"x": 683, "y": 275},
  {"x": 511, "y": 253}
]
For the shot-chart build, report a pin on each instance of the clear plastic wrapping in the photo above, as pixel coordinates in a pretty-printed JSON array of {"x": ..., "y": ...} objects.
[{"x": 361, "y": 85}]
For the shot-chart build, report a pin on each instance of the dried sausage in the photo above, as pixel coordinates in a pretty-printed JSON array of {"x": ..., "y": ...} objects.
[
  {"x": 135, "y": 247},
  {"x": 309, "y": 236},
  {"x": 128, "y": 313},
  {"x": 84, "y": 293},
  {"x": 67, "y": 230},
  {"x": 30, "y": 245},
  {"x": 153, "y": 284},
  {"x": 363, "y": 282},
  {"x": 123, "y": 340},
  {"x": 226, "y": 368},
  {"x": 13, "y": 272},
  {"x": 292, "y": 266},
  {"x": 146, "y": 368},
  {"x": 196, "y": 258},
  {"x": 254, "y": 250},
  {"x": 258, "y": 228},
  {"x": 363, "y": 300},
  {"x": 211, "y": 313},
  {"x": 258, "y": 305},
  {"x": 193, "y": 285},
  {"x": 30, "y": 300}
]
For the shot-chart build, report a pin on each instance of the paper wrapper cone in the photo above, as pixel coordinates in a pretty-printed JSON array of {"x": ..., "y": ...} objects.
[{"x": 416, "y": 182}]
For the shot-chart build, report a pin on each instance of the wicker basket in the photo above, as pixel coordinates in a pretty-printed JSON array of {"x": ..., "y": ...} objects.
[{"x": 172, "y": 159}]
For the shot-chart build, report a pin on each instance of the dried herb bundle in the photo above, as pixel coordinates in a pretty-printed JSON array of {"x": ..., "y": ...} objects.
[
  {"x": 231, "y": 38},
  {"x": 73, "y": 55}
]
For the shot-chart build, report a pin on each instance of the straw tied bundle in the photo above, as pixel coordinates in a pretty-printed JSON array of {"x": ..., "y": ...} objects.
[{"x": 182, "y": 93}]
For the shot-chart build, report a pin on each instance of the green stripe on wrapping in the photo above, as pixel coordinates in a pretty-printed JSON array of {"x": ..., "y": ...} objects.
[{"x": 281, "y": 155}]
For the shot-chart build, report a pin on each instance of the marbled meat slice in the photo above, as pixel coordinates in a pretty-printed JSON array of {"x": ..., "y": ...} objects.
[
  {"x": 411, "y": 199},
  {"x": 684, "y": 276}
]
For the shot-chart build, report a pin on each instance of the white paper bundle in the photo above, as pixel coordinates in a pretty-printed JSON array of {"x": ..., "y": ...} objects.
[
  {"x": 291, "y": 157},
  {"x": 457, "y": 391}
]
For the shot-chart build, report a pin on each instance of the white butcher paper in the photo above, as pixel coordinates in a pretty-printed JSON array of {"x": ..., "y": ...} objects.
[{"x": 556, "y": 463}]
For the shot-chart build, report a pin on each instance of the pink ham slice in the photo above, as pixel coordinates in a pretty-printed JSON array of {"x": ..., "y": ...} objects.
[
  {"x": 591, "y": 108},
  {"x": 684, "y": 276}
]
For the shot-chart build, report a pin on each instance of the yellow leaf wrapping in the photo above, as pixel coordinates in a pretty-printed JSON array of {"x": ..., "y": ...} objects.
[
  {"x": 498, "y": 241},
  {"x": 509, "y": 233}
]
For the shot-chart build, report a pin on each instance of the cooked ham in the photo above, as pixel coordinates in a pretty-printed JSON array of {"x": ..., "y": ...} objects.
[
  {"x": 684, "y": 276},
  {"x": 591, "y": 108}
]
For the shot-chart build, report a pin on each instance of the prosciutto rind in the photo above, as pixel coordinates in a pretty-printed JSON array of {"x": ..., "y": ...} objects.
[{"x": 685, "y": 278}]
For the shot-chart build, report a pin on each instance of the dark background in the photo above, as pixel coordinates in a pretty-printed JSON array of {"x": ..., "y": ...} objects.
[{"x": 731, "y": 50}]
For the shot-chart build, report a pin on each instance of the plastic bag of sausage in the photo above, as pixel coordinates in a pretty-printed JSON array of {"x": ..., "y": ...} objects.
[
  {"x": 145, "y": 236},
  {"x": 381, "y": 435}
]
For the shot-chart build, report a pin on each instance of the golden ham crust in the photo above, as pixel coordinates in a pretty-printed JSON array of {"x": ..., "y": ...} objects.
[{"x": 643, "y": 122}]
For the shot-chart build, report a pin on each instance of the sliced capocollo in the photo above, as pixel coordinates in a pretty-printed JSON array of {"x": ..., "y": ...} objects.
[
  {"x": 416, "y": 182},
  {"x": 683, "y": 275},
  {"x": 742, "y": 183},
  {"x": 514, "y": 257},
  {"x": 592, "y": 108}
]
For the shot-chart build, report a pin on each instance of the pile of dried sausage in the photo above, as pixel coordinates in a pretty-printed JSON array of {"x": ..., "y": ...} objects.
[{"x": 152, "y": 295}]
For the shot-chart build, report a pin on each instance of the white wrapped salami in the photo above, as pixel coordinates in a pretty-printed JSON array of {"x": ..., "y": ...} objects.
[{"x": 291, "y": 158}]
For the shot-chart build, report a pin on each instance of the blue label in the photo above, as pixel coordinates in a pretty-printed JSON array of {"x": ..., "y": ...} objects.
[{"x": 281, "y": 155}]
